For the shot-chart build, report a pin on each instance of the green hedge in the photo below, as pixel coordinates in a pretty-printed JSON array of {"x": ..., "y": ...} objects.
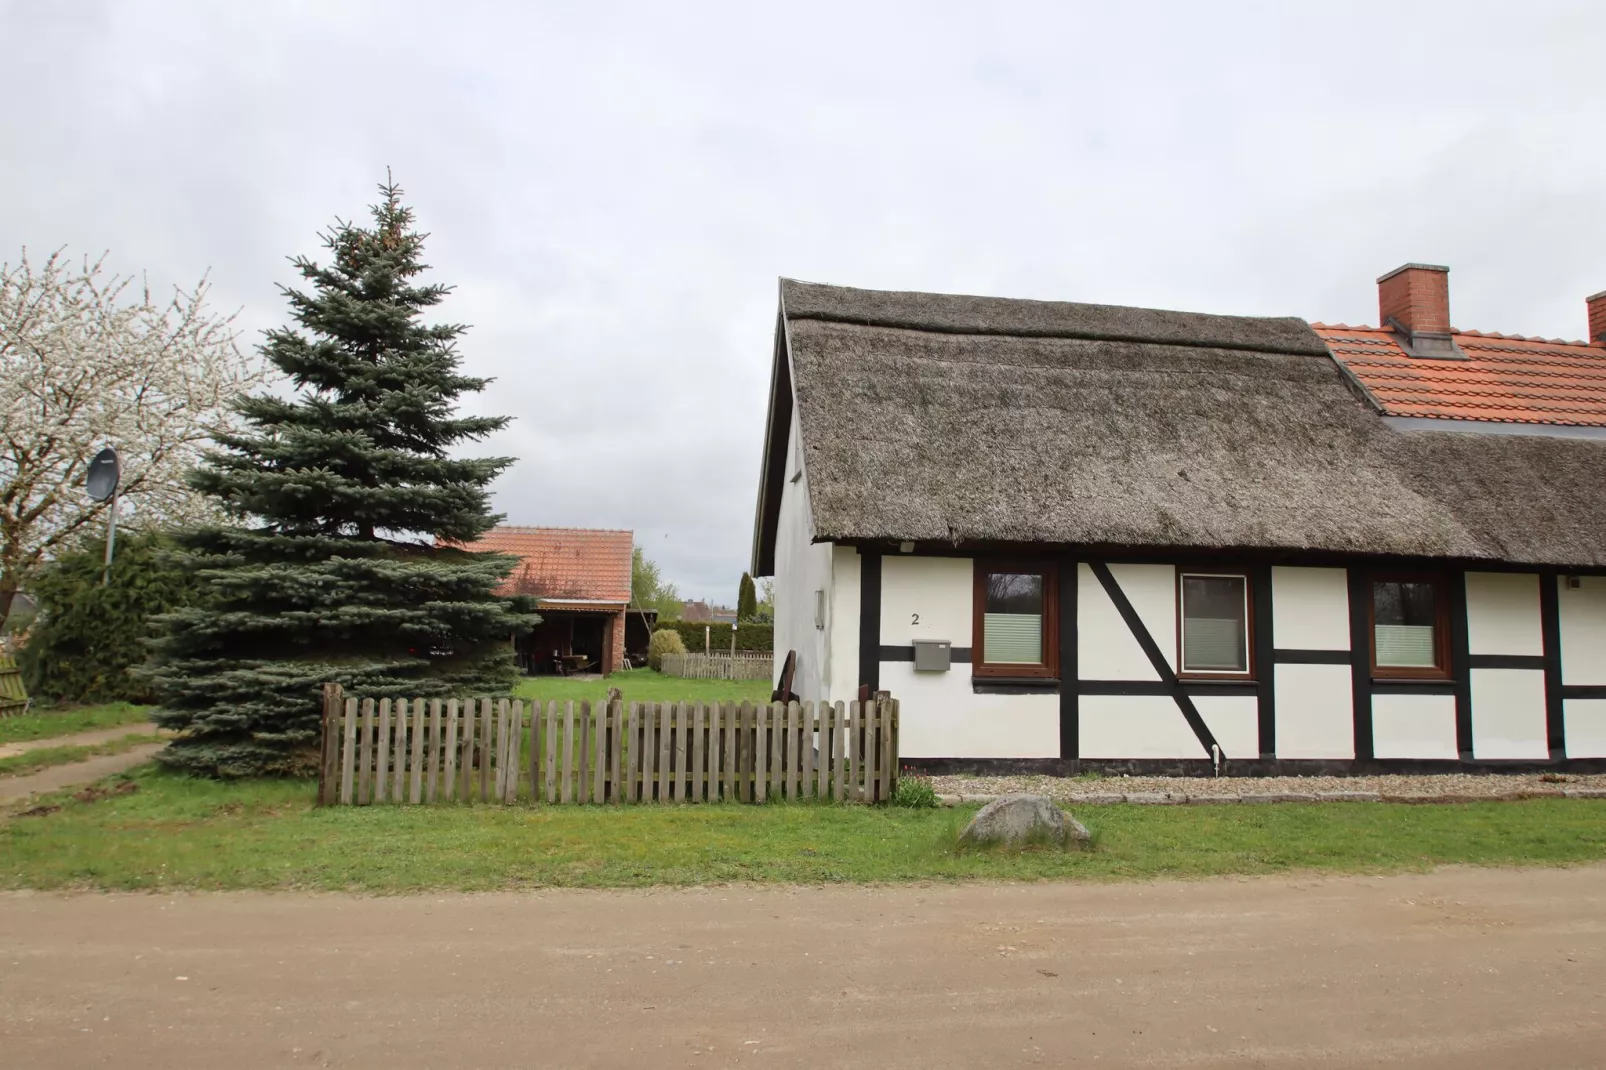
[
  {"x": 87, "y": 637},
  {"x": 748, "y": 636}
]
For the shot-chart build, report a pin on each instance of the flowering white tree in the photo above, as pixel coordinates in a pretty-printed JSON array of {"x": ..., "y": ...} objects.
[{"x": 88, "y": 360}]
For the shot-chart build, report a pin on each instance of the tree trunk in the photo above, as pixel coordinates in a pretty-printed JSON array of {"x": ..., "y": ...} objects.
[{"x": 8, "y": 595}]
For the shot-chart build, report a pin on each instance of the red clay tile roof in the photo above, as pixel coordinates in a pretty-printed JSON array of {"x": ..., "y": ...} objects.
[
  {"x": 577, "y": 564},
  {"x": 1506, "y": 378}
]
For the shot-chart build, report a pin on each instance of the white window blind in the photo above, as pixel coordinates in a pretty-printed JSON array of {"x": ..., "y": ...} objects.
[
  {"x": 1405, "y": 646},
  {"x": 1214, "y": 643},
  {"x": 1012, "y": 638}
]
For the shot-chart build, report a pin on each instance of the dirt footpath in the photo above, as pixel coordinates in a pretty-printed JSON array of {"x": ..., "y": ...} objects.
[
  {"x": 1462, "y": 968},
  {"x": 79, "y": 739},
  {"x": 57, "y": 777}
]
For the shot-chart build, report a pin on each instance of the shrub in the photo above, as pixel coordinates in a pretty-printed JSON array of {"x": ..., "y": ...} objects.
[
  {"x": 915, "y": 791},
  {"x": 87, "y": 637},
  {"x": 749, "y": 636},
  {"x": 663, "y": 642}
]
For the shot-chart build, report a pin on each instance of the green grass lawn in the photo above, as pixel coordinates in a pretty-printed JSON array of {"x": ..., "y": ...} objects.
[
  {"x": 47, "y": 724},
  {"x": 45, "y": 757},
  {"x": 643, "y": 685},
  {"x": 177, "y": 832}
]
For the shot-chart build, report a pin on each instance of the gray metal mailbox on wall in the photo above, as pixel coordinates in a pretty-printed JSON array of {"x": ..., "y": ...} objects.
[{"x": 933, "y": 655}]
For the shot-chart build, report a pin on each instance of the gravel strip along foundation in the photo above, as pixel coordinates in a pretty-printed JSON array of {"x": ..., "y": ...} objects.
[{"x": 1445, "y": 788}]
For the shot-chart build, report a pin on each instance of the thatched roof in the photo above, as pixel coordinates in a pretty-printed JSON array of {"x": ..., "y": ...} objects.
[{"x": 983, "y": 420}]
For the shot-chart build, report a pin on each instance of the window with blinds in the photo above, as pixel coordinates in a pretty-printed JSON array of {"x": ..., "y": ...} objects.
[
  {"x": 1215, "y": 624},
  {"x": 1012, "y": 623},
  {"x": 1407, "y": 627},
  {"x": 1015, "y": 627}
]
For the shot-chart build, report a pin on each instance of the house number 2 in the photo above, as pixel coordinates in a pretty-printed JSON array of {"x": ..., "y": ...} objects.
[{"x": 914, "y": 619}]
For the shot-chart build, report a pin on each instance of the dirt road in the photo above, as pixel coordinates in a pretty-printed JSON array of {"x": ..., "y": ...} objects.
[{"x": 1458, "y": 969}]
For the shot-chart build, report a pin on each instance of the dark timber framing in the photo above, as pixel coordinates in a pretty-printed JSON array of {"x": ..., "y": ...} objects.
[
  {"x": 1460, "y": 664},
  {"x": 1070, "y": 671},
  {"x": 957, "y": 655},
  {"x": 1151, "y": 650},
  {"x": 1162, "y": 687},
  {"x": 1265, "y": 658},
  {"x": 1550, "y": 628},
  {"x": 1294, "y": 656},
  {"x": 870, "y": 621},
  {"x": 1360, "y": 659},
  {"x": 1506, "y": 661}
]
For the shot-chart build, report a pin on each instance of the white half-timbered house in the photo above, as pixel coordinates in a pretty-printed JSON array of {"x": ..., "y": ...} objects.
[{"x": 1070, "y": 535}]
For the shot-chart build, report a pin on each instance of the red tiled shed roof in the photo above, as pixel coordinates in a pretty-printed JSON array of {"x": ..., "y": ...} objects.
[
  {"x": 1505, "y": 378},
  {"x": 565, "y": 564}
]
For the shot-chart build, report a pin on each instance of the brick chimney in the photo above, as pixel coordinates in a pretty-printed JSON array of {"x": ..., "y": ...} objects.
[
  {"x": 1597, "y": 316},
  {"x": 1414, "y": 301}
]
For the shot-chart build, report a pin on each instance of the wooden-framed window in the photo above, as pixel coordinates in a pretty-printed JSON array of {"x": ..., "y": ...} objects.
[
  {"x": 1016, "y": 627},
  {"x": 1214, "y": 625},
  {"x": 1410, "y": 614}
]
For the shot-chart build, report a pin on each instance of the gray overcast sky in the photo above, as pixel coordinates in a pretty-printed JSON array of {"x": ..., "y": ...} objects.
[{"x": 614, "y": 188}]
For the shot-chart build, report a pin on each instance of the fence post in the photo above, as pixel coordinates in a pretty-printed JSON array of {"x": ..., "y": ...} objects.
[
  {"x": 434, "y": 773},
  {"x": 599, "y": 752},
  {"x": 348, "y": 756},
  {"x": 666, "y": 716},
  {"x": 535, "y": 751},
  {"x": 616, "y": 746},
  {"x": 488, "y": 733},
  {"x": 892, "y": 703},
  {"x": 633, "y": 752},
  {"x": 806, "y": 751},
  {"x": 382, "y": 754},
  {"x": 398, "y": 750},
  {"x": 334, "y": 701},
  {"x": 515, "y": 732}
]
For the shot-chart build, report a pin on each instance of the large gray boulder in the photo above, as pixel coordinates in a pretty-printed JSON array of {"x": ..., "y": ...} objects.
[{"x": 1021, "y": 819}]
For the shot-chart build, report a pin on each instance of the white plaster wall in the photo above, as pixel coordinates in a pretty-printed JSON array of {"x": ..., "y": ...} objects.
[
  {"x": 940, "y": 590},
  {"x": 940, "y": 717},
  {"x": 1309, "y": 608},
  {"x": 1583, "y": 631},
  {"x": 1135, "y": 726},
  {"x": 1234, "y": 720},
  {"x": 1152, "y": 590},
  {"x": 1503, "y": 613},
  {"x": 1315, "y": 712},
  {"x": 801, "y": 568},
  {"x": 1585, "y": 719},
  {"x": 1105, "y": 647},
  {"x": 1414, "y": 726},
  {"x": 841, "y": 681},
  {"x": 1508, "y": 714}
]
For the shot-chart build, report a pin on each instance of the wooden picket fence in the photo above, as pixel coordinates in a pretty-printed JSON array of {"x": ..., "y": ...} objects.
[
  {"x": 13, "y": 697},
  {"x": 506, "y": 751},
  {"x": 738, "y": 666}
]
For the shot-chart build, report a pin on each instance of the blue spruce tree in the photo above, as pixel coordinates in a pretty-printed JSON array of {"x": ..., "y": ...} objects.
[{"x": 341, "y": 568}]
